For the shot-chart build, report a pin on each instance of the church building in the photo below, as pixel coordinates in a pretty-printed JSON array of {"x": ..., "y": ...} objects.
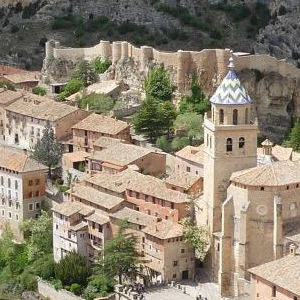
[{"x": 248, "y": 209}]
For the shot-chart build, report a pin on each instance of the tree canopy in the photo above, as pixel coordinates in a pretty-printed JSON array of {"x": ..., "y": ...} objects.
[
  {"x": 39, "y": 232},
  {"x": 72, "y": 87},
  {"x": 189, "y": 124},
  {"x": 158, "y": 84},
  {"x": 85, "y": 72},
  {"x": 196, "y": 236},
  {"x": 120, "y": 257},
  {"x": 197, "y": 102},
  {"x": 294, "y": 138},
  {"x": 47, "y": 150},
  {"x": 100, "y": 65},
  {"x": 73, "y": 268}
]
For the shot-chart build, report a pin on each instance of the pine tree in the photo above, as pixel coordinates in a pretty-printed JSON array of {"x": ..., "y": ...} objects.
[
  {"x": 85, "y": 72},
  {"x": 294, "y": 139},
  {"x": 47, "y": 150},
  {"x": 197, "y": 102},
  {"x": 147, "y": 120},
  {"x": 158, "y": 84},
  {"x": 167, "y": 115}
]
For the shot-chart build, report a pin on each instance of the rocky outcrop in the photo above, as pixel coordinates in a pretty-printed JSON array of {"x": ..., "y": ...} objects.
[
  {"x": 276, "y": 101},
  {"x": 281, "y": 37}
]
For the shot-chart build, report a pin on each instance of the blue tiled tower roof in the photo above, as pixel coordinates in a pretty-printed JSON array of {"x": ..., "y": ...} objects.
[{"x": 231, "y": 91}]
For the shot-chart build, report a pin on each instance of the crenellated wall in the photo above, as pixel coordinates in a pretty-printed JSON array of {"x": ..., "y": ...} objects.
[{"x": 209, "y": 64}]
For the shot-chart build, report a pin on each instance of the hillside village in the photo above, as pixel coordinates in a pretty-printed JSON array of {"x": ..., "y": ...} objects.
[{"x": 122, "y": 178}]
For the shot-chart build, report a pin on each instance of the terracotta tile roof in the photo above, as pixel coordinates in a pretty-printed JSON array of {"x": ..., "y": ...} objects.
[
  {"x": 22, "y": 77},
  {"x": 80, "y": 226},
  {"x": 278, "y": 153},
  {"x": 18, "y": 160},
  {"x": 98, "y": 217},
  {"x": 284, "y": 272},
  {"x": 105, "y": 142},
  {"x": 182, "y": 179},
  {"x": 102, "y": 124},
  {"x": 94, "y": 196},
  {"x": 121, "y": 154},
  {"x": 41, "y": 108},
  {"x": 113, "y": 182},
  {"x": 155, "y": 187},
  {"x": 164, "y": 230},
  {"x": 69, "y": 208},
  {"x": 193, "y": 154},
  {"x": 7, "y": 96},
  {"x": 134, "y": 217},
  {"x": 76, "y": 156},
  {"x": 273, "y": 174}
]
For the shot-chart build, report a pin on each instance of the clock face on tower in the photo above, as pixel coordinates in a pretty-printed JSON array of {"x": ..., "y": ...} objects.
[{"x": 262, "y": 210}]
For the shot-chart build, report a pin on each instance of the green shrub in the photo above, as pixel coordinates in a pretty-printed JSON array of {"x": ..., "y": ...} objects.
[
  {"x": 85, "y": 73},
  {"x": 64, "y": 22},
  {"x": 73, "y": 268},
  {"x": 44, "y": 267},
  {"x": 99, "y": 286},
  {"x": 76, "y": 288},
  {"x": 73, "y": 86},
  {"x": 57, "y": 284},
  {"x": 179, "y": 143},
  {"x": 28, "y": 281},
  {"x": 163, "y": 143},
  {"x": 7, "y": 85},
  {"x": 38, "y": 90},
  {"x": 100, "y": 66},
  {"x": 97, "y": 103}
]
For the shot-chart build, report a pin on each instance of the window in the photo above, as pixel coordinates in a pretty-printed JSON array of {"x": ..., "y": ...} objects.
[
  {"x": 37, "y": 205},
  {"x": 229, "y": 145},
  {"x": 172, "y": 205},
  {"x": 17, "y": 217},
  {"x": 246, "y": 116},
  {"x": 210, "y": 142},
  {"x": 148, "y": 212},
  {"x": 9, "y": 182},
  {"x": 37, "y": 193},
  {"x": 221, "y": 116},
  {"x": 16, "y": 184},
  {"x": 241, "y": 142},
  {"x": 10, "y": 203},
  {"x": 3, "y": 202},
  {"x": 30, "y": 205},
  {"x": 188, "y": 169},
  {"x": 175, "y": 263},
  {"x": 182, "y": 251},
  {"x": 37, "y": 182},
  {"x": 174, "y": 275},
  {"x": 30, "y": 195},
  {"x": 2, "y": 180},
  {"x": 235, "y": 117},
  {"x": 274, "y": 291},
  {"x": 30, "y": 183},
  {"x": 9, "y": 215},
  {"x": 3, "y": 212}
]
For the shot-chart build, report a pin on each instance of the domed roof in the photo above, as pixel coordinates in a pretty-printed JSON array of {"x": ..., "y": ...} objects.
[{"x": 231, "y": 91}]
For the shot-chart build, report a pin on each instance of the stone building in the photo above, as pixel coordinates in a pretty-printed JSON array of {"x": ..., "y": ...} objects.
[
  {"x": 120, "y": 156},
  {"x": 278, "y": 279},
  {"x": 25, "y": 120},
  {"x": 190, "y": 159},
  {"x": 22, "y": 188},
  {"x": 7, "y": 97},
  {"x": 23, "y": 80},
  {"x": 249, "y": 205},
  {"x": 90, "y": 129}
]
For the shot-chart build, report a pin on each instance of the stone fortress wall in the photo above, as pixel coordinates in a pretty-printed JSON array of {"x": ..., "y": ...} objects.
[{"x": 209, "y": 64}]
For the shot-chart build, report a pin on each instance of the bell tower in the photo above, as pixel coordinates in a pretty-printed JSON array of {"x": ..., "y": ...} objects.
[{"x": 230, "y": 144}]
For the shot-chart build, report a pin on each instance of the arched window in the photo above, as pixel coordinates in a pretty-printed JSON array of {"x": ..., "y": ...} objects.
[
  {"x": 235, "y": 117},
  {"x": 241, "y": 142},
  {"x": 229, "y": 145},
  {"x": 221, "y": 116},
  {"x": 246, "y": 116}
]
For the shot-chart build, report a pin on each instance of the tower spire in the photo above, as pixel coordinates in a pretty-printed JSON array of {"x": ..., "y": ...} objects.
[{"x": 231, "y": 65}]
